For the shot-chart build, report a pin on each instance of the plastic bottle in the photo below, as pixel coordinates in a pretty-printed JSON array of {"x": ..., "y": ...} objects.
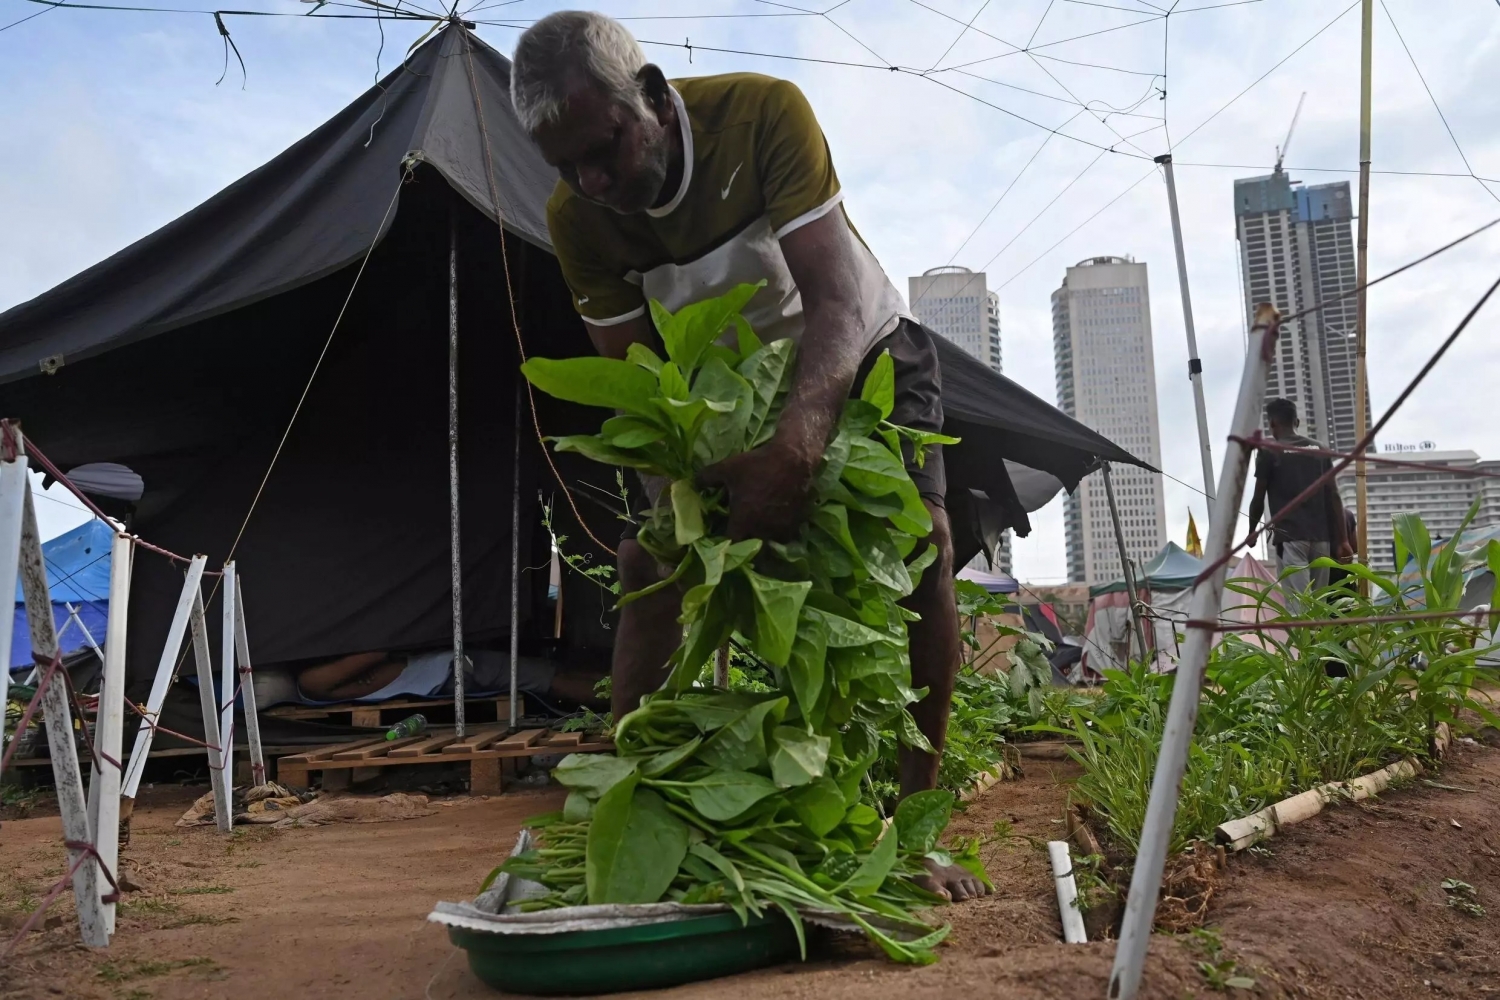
[{"x": 412, "y": 725}]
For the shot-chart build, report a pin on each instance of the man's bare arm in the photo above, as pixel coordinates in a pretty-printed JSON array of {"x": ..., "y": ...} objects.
[
  {"x": 1257, "y": 507},
  {"x": 614, "y": 340},
  {"x": 769, "y": 486},
  {"x": 822, "y": 259}
]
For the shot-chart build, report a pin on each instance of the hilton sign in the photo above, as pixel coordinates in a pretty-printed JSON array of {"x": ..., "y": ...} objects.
[{"x": 1424, "y": 446}]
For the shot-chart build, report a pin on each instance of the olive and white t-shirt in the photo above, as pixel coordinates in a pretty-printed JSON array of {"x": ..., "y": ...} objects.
[{"x": 756, "y": 167}]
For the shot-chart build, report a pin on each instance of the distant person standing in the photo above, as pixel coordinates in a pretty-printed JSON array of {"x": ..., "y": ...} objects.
[{"x": 1314, "y": 528}]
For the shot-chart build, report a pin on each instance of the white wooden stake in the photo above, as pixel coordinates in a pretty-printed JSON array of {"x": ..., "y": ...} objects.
[
  {"x": 203, "y": 658},
  {"x": 247, "y": 691},
  {"x": 14, "y": 486},
  {"x": 66, "y": 778},
  {"x": 227, "y": 676},
  {"x": 104, "y": 790},
  {"x": 1182, "y": 713},
  {"x": 163, "y": 681}
]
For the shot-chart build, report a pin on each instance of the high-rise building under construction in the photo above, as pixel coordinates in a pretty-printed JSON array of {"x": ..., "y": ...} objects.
[{"x": 1297, "y": 250}]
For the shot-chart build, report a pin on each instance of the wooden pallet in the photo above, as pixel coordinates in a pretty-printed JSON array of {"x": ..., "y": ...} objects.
[
  {"x": 365, "y": 713},
  {"x": 483, "y": 750}
]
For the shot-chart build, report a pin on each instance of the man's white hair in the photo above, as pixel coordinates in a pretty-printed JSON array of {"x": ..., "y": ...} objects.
[{"x": 556, "y": 51}]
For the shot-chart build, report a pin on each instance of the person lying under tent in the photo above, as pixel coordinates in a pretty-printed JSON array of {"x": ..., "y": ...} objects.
[
  {"x": 377, "y": 673},
  {"x": 679, "y": 191}
]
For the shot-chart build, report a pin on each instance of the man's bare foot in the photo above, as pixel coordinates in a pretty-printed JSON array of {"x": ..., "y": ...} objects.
[{"x": 954, "y": 883}]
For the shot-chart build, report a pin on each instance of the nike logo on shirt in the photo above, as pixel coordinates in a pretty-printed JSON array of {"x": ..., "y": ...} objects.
[
  {"x": 724, "y": 194},
  {"x": 583, "y": 300}
]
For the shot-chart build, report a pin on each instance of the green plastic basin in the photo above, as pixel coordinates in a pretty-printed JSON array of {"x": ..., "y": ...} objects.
[{"x": 627, "y": 958}]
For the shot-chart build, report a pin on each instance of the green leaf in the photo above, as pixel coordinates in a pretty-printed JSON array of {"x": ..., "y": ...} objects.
[
  {"x": 591, "y": 773},
  {"x": 768, "y": 371},
  {"x": 645, "y": 357},
  {"x": 577, "y": 808},
  {"x": 635, "y": 846},
  {"x": 745, "y": 338},
  {"x": 673, "y": 384},
  {"x": 662, "y": 764},
  {"x": 844, "y": 632},
  {"x": 880, "y": 385},
  {"x": 590, "y": 446},
  {"x": 662, "y": 584},
  {"x": 631, "y": 432},
  {"x": 874, "y": 869},
  {"x": 777, "y": 604},
  {"x": 723, "y": 432},
  {"x": 912, "y": 736},
  {"x": 921, "y": 819},
  {"x": 687, "y": 510},
  {"x": 723, "y": 864},
  {"x": 692, "y": 328},
  {"x": 606, "y": 382},
  {"x": 806, "y": 666},
  {"x": 819, "y": 805},
  {"x": 799, "y": 756},
  {"x": 881, "y": 559},
  {"x": 723, "y": 795}
]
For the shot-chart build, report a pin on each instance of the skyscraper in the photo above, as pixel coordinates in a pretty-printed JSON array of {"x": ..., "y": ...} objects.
[
  {"x": 1296, "y": 250},
  {"x": 955, "y": 303},
  {"x": 1106, "y": 378}
]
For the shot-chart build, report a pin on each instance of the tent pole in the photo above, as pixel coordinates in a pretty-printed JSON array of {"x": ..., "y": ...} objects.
[
  {"x": 143, "y": 737},
  {"x": 454, "y": 545},
  {"x": 1182, "y": 712},
  {"x": 515, "y": 557},
  {"x": 109, "y": 732},
  {"x": 14, "y": 485},
  {"x": 1114, "y": 515}
]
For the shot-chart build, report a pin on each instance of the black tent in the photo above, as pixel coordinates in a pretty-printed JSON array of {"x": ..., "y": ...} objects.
[{"x": 187, "y": 354}]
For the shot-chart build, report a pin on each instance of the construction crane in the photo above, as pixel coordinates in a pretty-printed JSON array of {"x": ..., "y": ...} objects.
[{"x": 1287, "y": 142}]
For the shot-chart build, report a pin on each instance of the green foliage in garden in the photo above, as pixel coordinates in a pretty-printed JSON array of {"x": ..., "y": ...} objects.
[{"x": 753, "y": 798}]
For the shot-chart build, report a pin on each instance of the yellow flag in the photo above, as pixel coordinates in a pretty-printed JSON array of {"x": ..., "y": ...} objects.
[{"x": 1194, "y": 543}]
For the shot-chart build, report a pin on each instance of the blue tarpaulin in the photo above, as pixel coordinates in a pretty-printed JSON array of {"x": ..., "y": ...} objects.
[{"x": 77, "y": 574}]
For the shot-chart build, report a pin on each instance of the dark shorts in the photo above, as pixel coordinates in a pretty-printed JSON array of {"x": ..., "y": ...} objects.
[{"x": 919, "y": 403}]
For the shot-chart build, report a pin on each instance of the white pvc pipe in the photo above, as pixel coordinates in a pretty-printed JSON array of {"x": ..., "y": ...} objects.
[
  {"x": 247, "y": 690},
  {"x": 1067, "y": 892},
  {"x": 1182, "y": 712}
]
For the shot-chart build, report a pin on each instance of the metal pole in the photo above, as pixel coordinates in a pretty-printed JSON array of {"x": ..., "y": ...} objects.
[
  {"x": 455, "y": 546},
  {"x": 228, "y": 676},
  {"x": 1114, "y": 515},
  {"x": 1195, "y": 366},
  {"x": 14, "y": 485},
  {"x": 247, "y": 690},
  {"x": 515, "y": 558},
  {"x": 1361, "y": 264},
  {"x": 1182, "y": 713},
  {"x": 203, "y": 658}
]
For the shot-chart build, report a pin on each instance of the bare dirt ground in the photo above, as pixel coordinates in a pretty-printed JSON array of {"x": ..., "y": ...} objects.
[{"x": 1350, "y": 905}]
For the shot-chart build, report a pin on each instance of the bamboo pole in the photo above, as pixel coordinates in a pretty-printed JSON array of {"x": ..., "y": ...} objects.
[
  {"x": 1361, "y": 259},
  {"x": 1182, "y": 713},
  {"x": 104, "y": 798}
]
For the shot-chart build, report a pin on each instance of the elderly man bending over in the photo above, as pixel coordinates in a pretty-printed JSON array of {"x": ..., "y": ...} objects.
[{"x": 679, "y": 190}]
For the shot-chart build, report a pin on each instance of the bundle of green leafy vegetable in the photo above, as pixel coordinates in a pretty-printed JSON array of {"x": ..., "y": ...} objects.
[{"x": 755, "y": 799}]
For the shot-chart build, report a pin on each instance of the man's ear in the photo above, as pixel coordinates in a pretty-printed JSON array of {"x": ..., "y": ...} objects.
[{"x": 654, "y": 83}]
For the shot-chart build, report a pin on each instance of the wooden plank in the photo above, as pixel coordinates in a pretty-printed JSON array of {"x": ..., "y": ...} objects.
[
  {"x": 563, "y": 740},
  {"x": 521, "y": 740},
  {"x": 377, "y": 749},
  {"x": 324, "y": 753},
  {"x": 367, "y": 716},
  {"x": 478, "y": 741},
  {"x": 501, "y": 702},
  {"x": 419, "y": 748}
]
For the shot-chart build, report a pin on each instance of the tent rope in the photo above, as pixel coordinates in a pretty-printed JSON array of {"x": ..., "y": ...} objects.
[{"x": 515, "y": 320}]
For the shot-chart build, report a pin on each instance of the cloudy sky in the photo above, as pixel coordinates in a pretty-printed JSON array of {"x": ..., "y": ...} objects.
[{"x": 115, "y": 125}]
